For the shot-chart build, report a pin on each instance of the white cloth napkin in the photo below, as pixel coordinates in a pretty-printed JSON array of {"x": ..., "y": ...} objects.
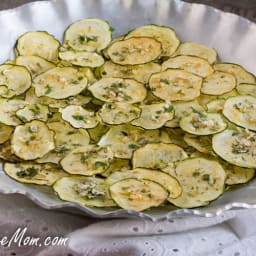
[{"x": 231, "y": 234}]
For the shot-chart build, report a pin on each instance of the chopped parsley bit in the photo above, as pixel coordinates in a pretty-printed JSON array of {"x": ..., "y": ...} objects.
[
  {"x": 71, "y": 132},
  {"x": 78, "y": 117},
  {"x": 238, "y": 148},
  {"x": 168, "y": 108},
  {"x": 196, "y": 174},
  {"x": 164, "y": 80},
  {"x": 83, "y": 159},
  {"x": 99, "y": 164},
  {"x": 87, "y": 190},
  {"x": 206, "y": 177},
  {"x": 81, "y": 39},
  {"x": 201, "y": 114},
  {"x": 120, "y": 55},
  {"x": 35, "y": 110},
  {"x": 133, "y": 146},
  {"x": 127, "y": 97},
  {"x": 48, "y": 89},
  {"x": 80, "y": 78},
  {"x": 61, "y": 149},
  {"x": 28, "y": 173}
]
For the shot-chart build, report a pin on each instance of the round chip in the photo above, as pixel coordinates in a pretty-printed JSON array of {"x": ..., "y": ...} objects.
[
  {"x": 175, "y": 84},
  {"x": 137, "y": 195},
  {"x": 60, "y": 83},
  {"x": 32, "y": 140}
]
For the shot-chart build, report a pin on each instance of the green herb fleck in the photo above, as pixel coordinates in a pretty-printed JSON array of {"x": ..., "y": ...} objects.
[
  {"x": 28, "y": 173},
  {"x": 164, "y": 80},
  {"x": 78, "y": 117},
  {"x": 48, "y": 89},
  {"x": 35, "y": 110},
  {"x": 206, "y": 177},
  {"x": 196, "y": 174},
  {"x": 80, "y": 78},
  {"x": 201, "y": 114},
  {"x": 133, "y": 146},
  {"x": 99, "y": 164},
  {"x": 168, "y": 108}
]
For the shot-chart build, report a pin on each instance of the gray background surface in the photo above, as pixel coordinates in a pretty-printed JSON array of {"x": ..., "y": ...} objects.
[{"x": 246, "y": 8}]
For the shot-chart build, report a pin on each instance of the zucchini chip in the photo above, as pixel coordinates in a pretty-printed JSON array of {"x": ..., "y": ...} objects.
[
  {"x": 204, "y": 99},
  {"x": 39, "y": 174},
  {"x": 165, "y": 35},
  {"x": 6, "y": 153},
  {"x": 33, "y": 112},
  {"x": 88, "y": 35},
  {"x": 124, "y": 139},
  {"x": 241, "y": 75},
  {"x": 60, "y": 83},
  {"x": 175, "y": 84},
  {"x": 90, "y": 191},
  {"x": 83, "y": 59},
  {"x": 79, "y": 117},
  {"x": 247, "y": 89},
  {"x": 32, "y": 140},
  {"x": 201, "y": 143},
  {"x": 14, "y": 80},
  {"x": 87, "y": 160},
  {"x": 134, "y": 51},
  {"x": 195, "y": 49},
  {"x": 237, "y": 147},
  {"x": 237, "y": 175},
  {"x": 118, "y": 90},
  {"x": 66, "y": 138},
  {"x": 160, "y": 155},
  {"x": 154, "y": 116},
  {"x": 202, "y": 181},
  {"x": 118, "y": 112},
  {"x": 165, "y": 180},
  {"x": 202, "y": 123},
  {"x": 182, "y": 109},
  {"x": 38, "y": 43},
  {"x": 141, "y": 73},
  {"x": 5, "y": 133},
  {"x": 138, "y": 195},
  {"x": 195, "y": 65},
  {"x": 241, "y": 110},
  {"x": 218, "y": 83},
  {"x": 8, "y": 111},
  {"x": 215, "y": 105},
  {"x": 35, "y": 64},
  {"x": 97, "y": 132}
]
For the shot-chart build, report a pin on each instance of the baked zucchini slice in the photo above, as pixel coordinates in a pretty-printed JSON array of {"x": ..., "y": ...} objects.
[
  {"x": 90, "y": 191},
  {"x": 134, "y": 51},
  {"x": 237, "y": 147},
  {"x": 5, "y": 133},
  {"x": 40, "y": 174},
  {"x": 38, "y": 43},
  {"x": 201, "y": 143},
  {"x": 204, "y": 99},
  {"x": 6, "y": 153},
  {"x": 237, "y": 175},
  {"x": 14, "y": 80},
  {"x": 79, "y": 117},
  {"x": 32, "y": 140},
  {"x": 8, "y": 111},
  {"x": 241, "y": 75},
  {"x": 33, "y": 112},
  {"x": 202, "y": 181},
  {"x": 83, "y": 59},
  {"x": 66, "y": 138},
  {"x": 161, "y": 155},
  {"x": 182, "y": 109},
  {"x": 35, "y": 64},
  {"x": 166, "y": 181},
  {"x": 227, "y": 95},
  {"x": 60, "y": 83},
  {"x": 241, "y": 110},
  {"x": 165, "y": 35},
  {"x": 218, "y": 83},
  {"x": 202, "y": 123},
  {"x": 247, "y": 89},
  {"x": 141, "y": 73},
  {"x": 88, "y": 35},
  {"x": 118, "y": 90},
  {"x": 87, "y": 160},
  {"x": 215, "y": 105},
  {"x": 195, "y": 65},
  {"x": 138, "y": 195},
  {"x": 195, "y": 49},
  {"x": 105, "y": 51},
  {"x": 154, "y": 116},
  {"x": 124, "y": 139},
  {"x": 118, "y": 112},
  {"x": 117, "y": 165},
  {"x": 175, "y": 84}
]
